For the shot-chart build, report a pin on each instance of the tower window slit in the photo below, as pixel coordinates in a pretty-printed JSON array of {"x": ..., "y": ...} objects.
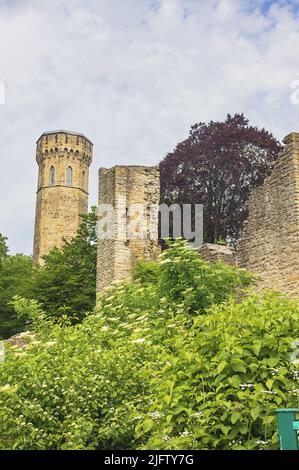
[
  {"x": 52, "y": 176},
  {"x": 69, "y": 176}
]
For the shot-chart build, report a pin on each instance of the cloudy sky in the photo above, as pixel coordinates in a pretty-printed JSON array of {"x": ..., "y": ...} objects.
[{"x": 133, "y": 75}]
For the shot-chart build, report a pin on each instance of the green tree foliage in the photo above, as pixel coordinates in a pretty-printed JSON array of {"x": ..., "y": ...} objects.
[
  {"x": 15, "y": 279},
  {"x": 151, "y": 369},
  {"x": 3, "y": 248},
  {"x": 66, "y": 283}
]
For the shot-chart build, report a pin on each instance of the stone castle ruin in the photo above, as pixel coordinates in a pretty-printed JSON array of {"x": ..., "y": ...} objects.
[
  {"x": 125, "y": 187},
  {"x": 270, "y": 242}
]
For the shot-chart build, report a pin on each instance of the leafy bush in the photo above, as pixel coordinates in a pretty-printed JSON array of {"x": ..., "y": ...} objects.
[
  {"x": 65, "y": 285},
  {"x": 185, "y": 278},
  {"x": 222, "y": 382},
  {"x": 146, "y": 371}
]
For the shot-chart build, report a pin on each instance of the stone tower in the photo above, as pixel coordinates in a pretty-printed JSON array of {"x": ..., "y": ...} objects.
[
  {"x": 62, "y": 193},
  {"x": 124, "y": 187},
  {"x": 270, "y": 243}
]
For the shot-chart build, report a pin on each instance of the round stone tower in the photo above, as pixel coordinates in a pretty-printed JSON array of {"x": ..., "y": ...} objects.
[{"x": 62, "y": 192}]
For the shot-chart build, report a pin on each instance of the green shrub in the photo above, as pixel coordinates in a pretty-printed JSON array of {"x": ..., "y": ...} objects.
[
  {"x": 146, "y": 371},
  {"x": 222, "y": 382}
]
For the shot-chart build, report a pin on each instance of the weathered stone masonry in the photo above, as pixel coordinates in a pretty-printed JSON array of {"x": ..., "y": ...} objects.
[
  {"x": 214, "y": 253},
  {"x": 62, "y": 195},
  {"x": 122, "y": 186},
  {"x": 270, "y": 244}
]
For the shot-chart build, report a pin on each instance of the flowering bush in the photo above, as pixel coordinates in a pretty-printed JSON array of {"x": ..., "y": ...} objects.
[{"x": 174, "y": 360}]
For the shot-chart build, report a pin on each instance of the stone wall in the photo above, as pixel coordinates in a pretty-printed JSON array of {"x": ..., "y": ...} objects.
[
  {"x": 270, "y": 243},
  {"x": 59, "y": 205},
  {"x": 122, "y": 186},
  {"x": 213, "y": 253}
]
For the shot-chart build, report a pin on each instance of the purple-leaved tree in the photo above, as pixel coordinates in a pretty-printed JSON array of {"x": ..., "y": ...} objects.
[{"x": 217, "y": 166}]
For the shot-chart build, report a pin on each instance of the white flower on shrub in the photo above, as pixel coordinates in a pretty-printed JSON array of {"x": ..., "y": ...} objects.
[
  {"x": 166, "y": 261},
  {"x": 51, "y": 343},
  {"x": 197, "y": 414},
  {"x": 137, "y": 418},
  {"x": 155, "y": 415}
]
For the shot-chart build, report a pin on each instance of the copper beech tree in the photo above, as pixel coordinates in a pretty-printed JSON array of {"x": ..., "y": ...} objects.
[{"x": 217, "y": 166}]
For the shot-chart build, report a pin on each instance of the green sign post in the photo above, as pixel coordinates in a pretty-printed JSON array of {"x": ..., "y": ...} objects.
[{"x": 288, "y": 425}]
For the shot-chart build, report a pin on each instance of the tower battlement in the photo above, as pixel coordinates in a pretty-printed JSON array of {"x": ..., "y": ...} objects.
[{"x": 63, "y": 142}]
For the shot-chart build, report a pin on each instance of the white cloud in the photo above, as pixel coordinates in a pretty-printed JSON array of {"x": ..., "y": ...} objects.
[{"x": 133, "y": 75}]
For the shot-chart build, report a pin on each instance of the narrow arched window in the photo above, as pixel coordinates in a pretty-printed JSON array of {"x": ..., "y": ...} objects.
[
  {"x": 69, "y": 176},
  {"x": 83, "y": 180},
  {"x": 52, "y": 176},
  {"x": 38, "y": 181}
]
